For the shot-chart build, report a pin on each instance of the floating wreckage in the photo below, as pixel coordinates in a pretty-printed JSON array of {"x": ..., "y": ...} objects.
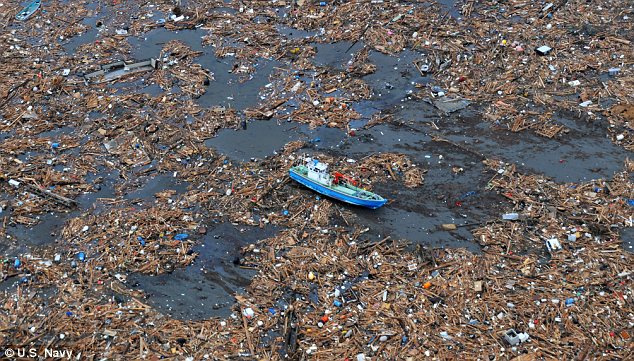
[{"x": 116, "y": 70}]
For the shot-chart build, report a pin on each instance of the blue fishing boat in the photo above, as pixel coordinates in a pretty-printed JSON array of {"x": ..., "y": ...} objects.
[
  {"x": 315, "y": 176},
  {"x": 29, "y": 10}
]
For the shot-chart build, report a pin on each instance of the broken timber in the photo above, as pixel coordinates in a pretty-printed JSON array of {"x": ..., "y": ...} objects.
[{"x": 46, "y": 194}]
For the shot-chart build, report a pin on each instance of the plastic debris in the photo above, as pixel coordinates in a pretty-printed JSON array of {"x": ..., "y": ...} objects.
[
  {"x": 181, "y": 236},
  {"x": 543, "y": 50}
]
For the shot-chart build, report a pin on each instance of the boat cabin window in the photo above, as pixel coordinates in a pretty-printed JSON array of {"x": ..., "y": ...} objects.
[
  {"x": 320, "y": 167},
  {"x": 318, "y": 171}
]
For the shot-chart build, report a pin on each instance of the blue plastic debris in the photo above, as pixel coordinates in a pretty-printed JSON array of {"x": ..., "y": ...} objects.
[
  {"x": 141, "y": 240},
  {"x": 404, "y": 340},
  {"x": 322, "y": 3},
  {"x": 285, "y": 212},
  {"x": 81, "y": 256},
  {"x": 510, "y": 216},
  {"x": 318, "y": 198},
  {"x": 17, "y": 263},
  {"x": 271, "y": 310},
  {"x": 24, "y": 280},
  {"x": 570, "y": 301},
  {"x": 337, "y": 303},
  {"x": 68, "y": 313},
  {"x": 631, "y": 202},
  {"x": 54, "y": 145},
  {"x": 181, "y": 236}
]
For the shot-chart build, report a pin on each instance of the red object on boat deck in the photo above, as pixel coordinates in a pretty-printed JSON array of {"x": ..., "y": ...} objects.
[{"x": 339, "y": 176}]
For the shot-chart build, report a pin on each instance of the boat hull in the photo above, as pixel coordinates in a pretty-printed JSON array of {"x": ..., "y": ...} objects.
[
  {"x": 29, "y": 10},
  {"x": 332, "y": 193}
]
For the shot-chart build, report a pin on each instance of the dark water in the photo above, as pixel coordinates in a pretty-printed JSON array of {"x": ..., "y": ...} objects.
[
  {"x": 264, "y": 138},
  {"x": 237, "y": 91},
  {"x": 57, "y": 132},
  {"x": 229, "y": 89},
  {"x": 291, "y": 33},
  {"x": 260, "y": 139},
  {"x": 393, "y": 81},
  {"x": 583, "y": 154},
  {"x": 335, "y": 55},
  {"x": 205, "y": 288},
  {"x": 148, "y": 186},
  {"x": 98, "y": 11},
  {"x": 449, "y": 7},
  {"x": 150, "y": 44},
  {"x": 627, "y": 235}
]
